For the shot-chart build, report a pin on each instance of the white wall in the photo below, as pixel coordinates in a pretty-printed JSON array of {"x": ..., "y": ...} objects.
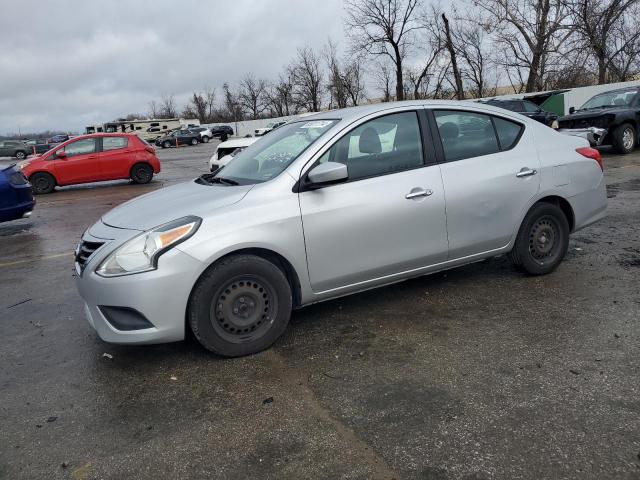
[{"x": 577, "y": 96}]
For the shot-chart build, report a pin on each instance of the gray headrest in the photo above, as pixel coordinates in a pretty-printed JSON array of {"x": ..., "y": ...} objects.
[
  {"x": 449, "y": 131},
  {"x": 370, "y": 141}
]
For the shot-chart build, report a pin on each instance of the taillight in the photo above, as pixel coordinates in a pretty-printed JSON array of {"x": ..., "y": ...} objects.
[
  {"x": 150, "y": 149},
  {"x": 591, "y": 153}
]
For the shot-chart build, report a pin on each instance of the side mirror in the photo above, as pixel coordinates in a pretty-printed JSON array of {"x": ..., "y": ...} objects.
[
  {"x": 61, "y": 153},
  {"x": 571, "y": 110},
  {"x": 328, "y": 173}
]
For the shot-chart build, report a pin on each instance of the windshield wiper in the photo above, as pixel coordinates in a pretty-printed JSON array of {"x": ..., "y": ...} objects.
[{"x": 210, "y": 179}]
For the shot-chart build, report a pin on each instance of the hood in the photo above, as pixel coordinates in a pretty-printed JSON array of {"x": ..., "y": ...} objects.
[{"x": 162, "y": 206}]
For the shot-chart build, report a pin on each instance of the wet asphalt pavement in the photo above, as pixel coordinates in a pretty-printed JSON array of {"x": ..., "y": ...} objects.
[{"x": 476, "y": 373}]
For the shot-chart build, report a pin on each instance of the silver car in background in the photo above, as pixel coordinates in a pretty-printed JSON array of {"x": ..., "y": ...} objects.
[{"x": 333, "y": 204}]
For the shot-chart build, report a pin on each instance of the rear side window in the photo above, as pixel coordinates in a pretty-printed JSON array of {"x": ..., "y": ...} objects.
[
  {"x": 114, "y": 143},
  {"x": 465, "y": 134},
  {"x": 381, "y": 146},
  {"x": 508, "y": 132}
]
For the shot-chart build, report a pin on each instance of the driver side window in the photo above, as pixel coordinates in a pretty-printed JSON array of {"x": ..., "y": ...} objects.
[
  {"x": 381, "y": 146},
  {"x": 81, "y": 147}
]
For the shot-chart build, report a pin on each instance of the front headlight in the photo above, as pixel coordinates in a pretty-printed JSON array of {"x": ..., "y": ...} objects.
[
  {"x": 140, "y": 254},
  {"x": 555, "y": 124}
]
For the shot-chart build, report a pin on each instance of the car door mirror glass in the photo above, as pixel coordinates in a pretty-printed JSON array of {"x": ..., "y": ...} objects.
[
  {"x": 61, "y": 154},
  {"x": 328, "y": 173}
]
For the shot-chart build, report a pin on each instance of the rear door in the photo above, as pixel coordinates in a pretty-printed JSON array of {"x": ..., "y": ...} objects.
[
  {"x": 114, "y": 157},
  {"x": 490, "y": 173},
  {"x": 388, "y": 218},
  {"x": 81, "y": 163}
]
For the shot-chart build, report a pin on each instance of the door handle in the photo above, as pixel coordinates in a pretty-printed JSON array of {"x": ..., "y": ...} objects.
[
  {"x": 418, "y": 192},
  {"x": 526, "y": 172}
]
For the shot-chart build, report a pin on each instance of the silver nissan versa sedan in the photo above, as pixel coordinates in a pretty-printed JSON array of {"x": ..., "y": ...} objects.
[{"x": 333, "y": 204}]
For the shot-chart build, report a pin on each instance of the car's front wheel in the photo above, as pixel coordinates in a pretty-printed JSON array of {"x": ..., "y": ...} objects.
[
  {"x": 205, "y": 139},
  {"x": 542, "y": 240},
  {"x": 20, "y": 155},
  {"x": 42, "y": 182},
  {"x": 241, "y": 305},
  {"x": 624, "y": 138},
  {"x": 166, "y": 144},
  {"x": 141, "y": 173},
  {"x": 194, "y": 141}
]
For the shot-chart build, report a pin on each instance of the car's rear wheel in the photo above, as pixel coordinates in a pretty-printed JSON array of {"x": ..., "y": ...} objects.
[
  {"x": 20, "y": 155},
  {"x": 141, "y": 173},
  {"x": 205, "y": 139},
  {"x": 194, "y": 141},
  {"x": 42, "y": 182},
  {"x": 240, "y": 306},
  {"x": 542, "y": 240},
  {"x": 624, "y": 138},
  {"x": 166, "y": 144}
]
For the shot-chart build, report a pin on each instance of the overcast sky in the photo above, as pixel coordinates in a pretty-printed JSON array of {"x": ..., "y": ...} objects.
[{"x": 67, "y": 64}]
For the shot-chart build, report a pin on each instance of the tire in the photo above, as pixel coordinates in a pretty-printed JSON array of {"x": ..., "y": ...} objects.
[
  {"x": 240, "y": 306},
  {"x": 205, "y": 139},
  {"x": 166, "y": 144},
  {"x": 194, "y": 141},
  {"x": 20, "y": 155},
  {"x": 542, "y": 240},
  {"x": 624, "y": 138},
  {"x": 224, "y": 137},
  {"x": 42, "y": 182},
  {"x": 141, "y": 173}
]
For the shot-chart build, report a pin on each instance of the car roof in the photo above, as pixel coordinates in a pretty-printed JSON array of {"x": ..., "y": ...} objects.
[{"x": 354, "y": 113}]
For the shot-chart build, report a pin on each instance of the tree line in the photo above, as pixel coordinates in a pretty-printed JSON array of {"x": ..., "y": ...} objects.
[{"x": 412, "y": 49}]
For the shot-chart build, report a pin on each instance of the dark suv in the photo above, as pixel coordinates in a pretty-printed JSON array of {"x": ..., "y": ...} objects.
[
  {"x": 222, "y": 129},
  {"x": 14, "y": 148},
  {"x": 526, "y": 108}
]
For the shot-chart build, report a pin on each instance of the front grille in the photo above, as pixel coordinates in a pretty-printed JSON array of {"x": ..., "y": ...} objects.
[{"x": 84, "y": 251}]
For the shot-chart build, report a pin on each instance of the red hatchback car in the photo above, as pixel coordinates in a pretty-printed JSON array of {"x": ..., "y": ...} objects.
[{"x": 92, "y": 158}]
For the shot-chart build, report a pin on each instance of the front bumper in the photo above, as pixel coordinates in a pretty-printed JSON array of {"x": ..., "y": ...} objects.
[
  {"x": 160, "y": 296},
  {"x": 594, "y": 135}
]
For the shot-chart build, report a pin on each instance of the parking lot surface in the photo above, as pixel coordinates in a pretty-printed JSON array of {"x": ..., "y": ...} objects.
[{"x": 475, "y": 373}]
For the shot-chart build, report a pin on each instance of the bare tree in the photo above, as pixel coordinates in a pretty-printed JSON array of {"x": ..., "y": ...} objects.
[
  {"x": 280, "y": 96},
  {"x": 336, "y": 78},
  {"x": 383, "y": 76},
  {"x": 306, "y": 76},
  {"x": 354, "y": 81},
  {"x": 232, "y": 106},
  {"x": 472, "y": 45},
  {"x": 531, "y": 30},
  {"x": 453, "y": 57},
  {"x": 383, "y": 28},
  {"x": 252, "y": 95},
  {"x": 154, "y": 109},
  {"x": 601, "y": 25},
  {"x": 167, "y": 107}
]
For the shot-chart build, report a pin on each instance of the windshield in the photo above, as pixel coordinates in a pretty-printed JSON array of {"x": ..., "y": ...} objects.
[
  {"x": 611, "y": 99},
  {"x": 270, "y": 156}
]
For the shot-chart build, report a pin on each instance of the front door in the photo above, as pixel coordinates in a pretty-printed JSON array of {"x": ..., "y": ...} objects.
[
  {"x": 80, "y": 163},
  {"x": 490, "y": 175},
  {"x": 389, "y": 217}
]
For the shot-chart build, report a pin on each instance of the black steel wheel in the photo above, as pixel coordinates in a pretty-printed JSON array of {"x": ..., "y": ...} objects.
[
  {"x": 42, "y": 182},
  {"x": 542, "y": 240},
  {"x": 241, "y": 305},
  {"x": 141, "y": 173}
]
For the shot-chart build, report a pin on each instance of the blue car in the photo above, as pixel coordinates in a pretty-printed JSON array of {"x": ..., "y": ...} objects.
[{"x": 16, "y": 199}]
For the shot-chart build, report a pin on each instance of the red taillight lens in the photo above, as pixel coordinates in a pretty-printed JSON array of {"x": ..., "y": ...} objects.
[
  {"x": 591, "y": 153},
  {"x": 150, "y": 149}
]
